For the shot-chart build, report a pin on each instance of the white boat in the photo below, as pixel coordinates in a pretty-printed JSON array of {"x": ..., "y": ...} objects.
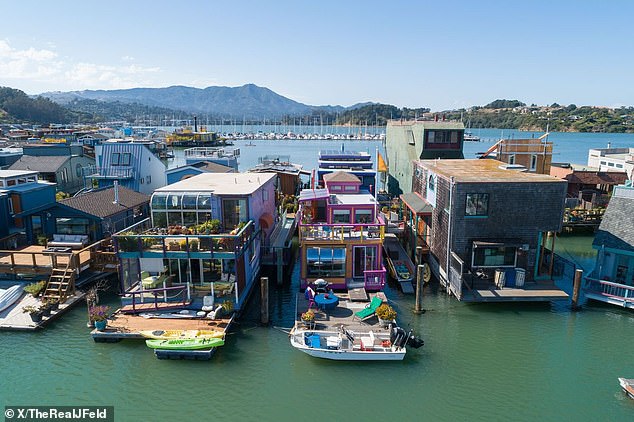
[
  {"x": 348, "y": 345},
  {"x": 470, "y": 137},
  {"x": 9, "y": 296},
  {"x": 628, "y": 386}
]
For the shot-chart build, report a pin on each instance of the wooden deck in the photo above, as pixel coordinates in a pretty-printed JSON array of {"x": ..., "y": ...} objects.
[
  {"x": 125, "y": 326},
  {"x": 33, "y": 260},
  {"x": 343, "y": 315},
  {"x": 531, "y": 293},
  {"x": 14, "y": 319},
  {"x": 151, "y": 306}
]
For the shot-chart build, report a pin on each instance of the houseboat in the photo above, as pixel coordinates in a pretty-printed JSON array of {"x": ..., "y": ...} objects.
[
  {"x": 202, "y": 240},
  {"x": 488, "y": 227},
  {"x": 612, "y": 279},
  {"x": 341, "y": 235},
  {"x": 224, "y": 156},
  {"x": 409, "y": 140},
  {"x": 356, "y": 163}
]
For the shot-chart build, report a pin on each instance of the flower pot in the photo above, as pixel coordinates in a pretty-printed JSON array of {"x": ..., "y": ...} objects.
[
  {"x": 46, "y": 311},
  {"x": 101, "y": 325},
  {"x": 36, "y": 316},
  {"x": 386, "y": 322},
  {"x": 54, "y": 306}
]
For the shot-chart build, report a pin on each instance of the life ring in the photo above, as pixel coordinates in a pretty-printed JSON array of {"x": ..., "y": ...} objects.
[{"x": 426, "y": 274}]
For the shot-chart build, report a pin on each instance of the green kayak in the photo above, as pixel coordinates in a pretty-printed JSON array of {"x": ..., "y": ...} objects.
[{"x": 185, "y": 344}]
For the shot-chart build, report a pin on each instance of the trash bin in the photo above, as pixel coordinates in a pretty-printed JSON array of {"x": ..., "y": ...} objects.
[
  {"x": 520, "y": 276},
  {"x": 500, "y": 278}
]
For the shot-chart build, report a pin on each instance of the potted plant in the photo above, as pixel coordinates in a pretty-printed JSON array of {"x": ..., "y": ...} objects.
[
  {"x": 99, "y": 314},
  {"x": 308, "y": 317},
  {"x": 173, "y": 246},
  {"x": 34, "y": 313},
  {"x": 193, "y": 245},
  {"x": 45, "y": 308},
  {"x": 386, "y": 314},
  {"x": 51, "y": 303},
  {"x": 35, "y": 288},
  {"x": 227, "y": 306}
]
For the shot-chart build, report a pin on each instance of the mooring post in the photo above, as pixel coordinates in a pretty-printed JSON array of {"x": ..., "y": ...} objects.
[
  {"x": 576, "y": 287},
  {"x": 420, "y": 271},
  {"x": 279, "y": 255},
  {"x": 264, "y": 300}
]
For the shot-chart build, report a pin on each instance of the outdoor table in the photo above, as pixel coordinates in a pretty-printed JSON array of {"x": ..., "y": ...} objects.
[{"x": 326, "y": 301}]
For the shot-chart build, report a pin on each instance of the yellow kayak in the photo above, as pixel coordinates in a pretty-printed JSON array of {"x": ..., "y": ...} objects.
[{"x": 181, "y": 334}]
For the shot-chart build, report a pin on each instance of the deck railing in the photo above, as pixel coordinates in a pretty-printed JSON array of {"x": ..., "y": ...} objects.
[
  {"x": 609, "y": 288},
  {"x": 341, "y": 231},
  {"x": 142, "y": 239},
  {"x": 162, "y": 291},
  {"x": 374, "y": 280},
  {"x": 113, "y": 172}
]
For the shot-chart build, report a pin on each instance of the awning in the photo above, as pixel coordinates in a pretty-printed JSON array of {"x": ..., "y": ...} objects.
[
  {"x": 312, "y": 194},
  {"x": 416, "y": 203},
  {"x": 498, "y": 244}
]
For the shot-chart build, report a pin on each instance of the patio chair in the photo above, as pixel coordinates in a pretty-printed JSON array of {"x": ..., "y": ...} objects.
[
  {"x": 208, "y": 304},
  {"x": 369, "y": 310},
  {"x": 309, "y": 294}
]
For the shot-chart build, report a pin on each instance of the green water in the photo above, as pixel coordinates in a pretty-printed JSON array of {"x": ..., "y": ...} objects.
[{"x": 518, "y": 362}]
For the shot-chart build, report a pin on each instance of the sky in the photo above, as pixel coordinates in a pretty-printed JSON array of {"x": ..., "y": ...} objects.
[{"x": 439, "y": 54}]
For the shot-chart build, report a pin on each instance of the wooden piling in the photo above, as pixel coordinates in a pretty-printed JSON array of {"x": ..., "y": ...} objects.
[
  {"x": 264, "y": 300},
  {"x": 552, "y": 256},
  {"x": 419, "y": 254},
  {"x": 420, "y": 273},
  {"x": 576, "y": 287}
]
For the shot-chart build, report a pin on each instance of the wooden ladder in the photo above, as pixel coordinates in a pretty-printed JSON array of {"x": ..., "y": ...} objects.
[{"x": 61, "y": 283}]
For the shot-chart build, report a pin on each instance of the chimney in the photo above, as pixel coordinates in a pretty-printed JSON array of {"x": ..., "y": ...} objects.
[
  {"x": 116, "y": 192},
  {"x": 435, "y": 117}
]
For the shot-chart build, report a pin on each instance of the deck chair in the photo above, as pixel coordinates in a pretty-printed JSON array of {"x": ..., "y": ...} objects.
[
  {"x": 369, "y": 310},
  {"x": 309, "y": 294},
  {"x": 208, "y": 303}
]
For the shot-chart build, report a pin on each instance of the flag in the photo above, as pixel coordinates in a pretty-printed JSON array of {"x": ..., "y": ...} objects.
[{"x": 382, "y": 167}]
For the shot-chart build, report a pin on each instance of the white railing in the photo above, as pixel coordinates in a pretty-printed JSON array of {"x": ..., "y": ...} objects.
[{"x": 609, "y": 288}]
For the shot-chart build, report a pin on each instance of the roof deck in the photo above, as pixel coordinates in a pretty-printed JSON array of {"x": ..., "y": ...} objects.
[{"x": 483, "y": 171}]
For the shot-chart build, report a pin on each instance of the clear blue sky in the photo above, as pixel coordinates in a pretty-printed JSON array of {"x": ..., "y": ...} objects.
[{"x": 439, "y": 54}]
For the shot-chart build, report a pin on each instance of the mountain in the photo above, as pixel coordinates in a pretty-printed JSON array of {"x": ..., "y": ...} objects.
[{"x": 248, "y": 101}]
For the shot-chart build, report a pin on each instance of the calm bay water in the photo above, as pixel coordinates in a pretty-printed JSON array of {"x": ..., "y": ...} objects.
[{"x": 520, "y": 362}]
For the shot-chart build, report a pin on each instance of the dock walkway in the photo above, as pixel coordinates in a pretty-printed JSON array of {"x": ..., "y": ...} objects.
[{"x": 14, "y": 318}]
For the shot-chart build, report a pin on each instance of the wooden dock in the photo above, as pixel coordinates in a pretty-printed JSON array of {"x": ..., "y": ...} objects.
[
  {"x": 532, "y": 292},
  {"x": 125, "y": 326},
  {"x": 14, "y": 319}
]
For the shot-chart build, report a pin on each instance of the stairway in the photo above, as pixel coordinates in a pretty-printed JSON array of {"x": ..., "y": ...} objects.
[{"x": 61, "y": 283}]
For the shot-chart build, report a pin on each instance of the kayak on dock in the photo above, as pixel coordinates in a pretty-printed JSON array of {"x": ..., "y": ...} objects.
[{"x": 185, "y": 344}]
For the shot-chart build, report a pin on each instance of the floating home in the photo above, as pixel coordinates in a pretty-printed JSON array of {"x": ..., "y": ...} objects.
[
  {"x": 410, "y": 140},
  {"x": 356, "y": 163},
  {"x": 612, "y": 279},
  {"x": 613, "y": 159},
  {"x": 486, "y": 227},
  {"x": 219, "y": 155},
  {"x": 341, "y": 235},
  {"x": 203, "y": 239},
  {"x": 132, "y": 164},
  {"x": 535, "y": 154}
]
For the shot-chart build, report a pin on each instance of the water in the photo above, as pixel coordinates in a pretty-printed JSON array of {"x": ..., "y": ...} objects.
[{"x": 520, "y": 362}]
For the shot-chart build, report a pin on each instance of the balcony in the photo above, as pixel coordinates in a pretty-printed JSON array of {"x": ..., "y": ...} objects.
[
  {"x": 114, "y": 172},
  {"x": 143, "y": 240},
  {"x": 610, "y": 292}
]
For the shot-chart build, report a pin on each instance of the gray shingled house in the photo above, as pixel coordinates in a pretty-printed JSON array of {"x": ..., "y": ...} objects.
[{"x": 612, "y": 279}]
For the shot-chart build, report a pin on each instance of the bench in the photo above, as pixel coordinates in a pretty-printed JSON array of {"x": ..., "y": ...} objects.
[{"x": 73, "y": 241}]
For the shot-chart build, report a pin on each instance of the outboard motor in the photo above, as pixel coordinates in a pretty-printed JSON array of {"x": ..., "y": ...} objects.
[
  {"x": 413, "y": 341},
  {"x": 398, "y": 337}
]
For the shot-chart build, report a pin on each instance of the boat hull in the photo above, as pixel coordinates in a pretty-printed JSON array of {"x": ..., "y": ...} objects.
[
  {"x": 185, "y": 344},
  {"x": 181, "y": 334},
  {"x": 10, "y": 296},
  {"x": 628, "y": 386},
  {"x": 353, "y": 355}
]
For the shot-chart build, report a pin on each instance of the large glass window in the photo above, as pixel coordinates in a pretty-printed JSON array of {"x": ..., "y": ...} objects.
[
  {"x": 494, "y": 256},
  {"x": 326, "y": 262},
  {"x": 125, "y": 159},
  {"x": 477, "y": 204},
  {"x": 159, "y": 219},
  {"x": 341, "y": 216},
  {"x": 72, "y": 225},
  {"x": 362, "y": 216},
  {"x": 189, "y": 202},
  {"x": 114, "y": 159},
  {"x": 158, "y": 201},
  {"x": 364, "y": 259},
  {"x": 234, "y": 211},
  {"x": 174, "y": 201}
]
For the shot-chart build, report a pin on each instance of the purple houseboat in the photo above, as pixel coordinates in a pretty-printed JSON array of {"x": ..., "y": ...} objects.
[{"x": 341, "y": 235}]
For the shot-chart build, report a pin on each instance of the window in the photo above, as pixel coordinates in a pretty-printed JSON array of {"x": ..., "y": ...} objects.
[
  {"x": 454, "y": 137},
  {"x": 114, "y": 159},
  {"x": 610, "y": 164},
  {"x": 512, "y": 159},
  {"x": 341, "y": 216},
  {"x": 410, "y": 137},
  {"x": 431, "y": 185},
  {"x": 350, "y": 188},
  {"x": 234, "y": 211},
  {"x": 265, "y": 195},
  {"x": 494, "y": 256},
  {"x": 431, "y": 137},
  {"x": 125, "y": 159},
  {"x": 362, "y": 216},
  {"x": 335, "y": 188},
  {"x": 326, "y": 262},
  {"x": 78, "y": 170},
  {"x": 533, "y": 162},
  {"x": 619, "y": 166},
  {"x": 148, "y": 179},
  {"x": 11, "y": 182},
  {"x": 72, "y": 225},
  {"x": 477, "y": 204},
  {"x": 364, "y": 260}
]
